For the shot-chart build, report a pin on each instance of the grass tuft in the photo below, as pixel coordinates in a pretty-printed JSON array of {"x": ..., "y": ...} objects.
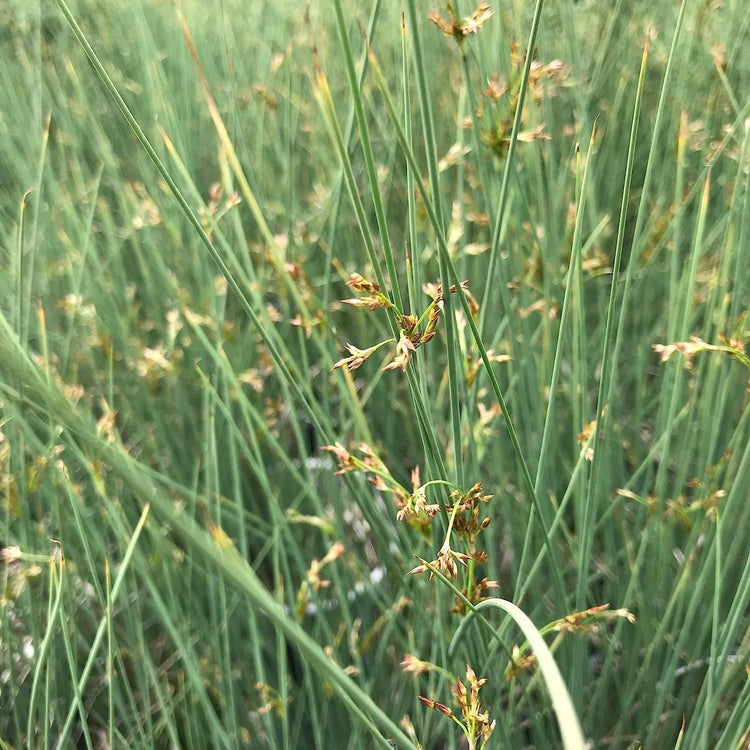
[{"x": 328, "y": 356}]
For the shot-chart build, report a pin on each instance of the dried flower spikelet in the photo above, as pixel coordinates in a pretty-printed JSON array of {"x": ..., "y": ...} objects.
[
  {"x": 307, "y": 323},
  {"x": 10, "y": 554},
  {"x": 454, "y": 155},
  {"x": 585, "y": 434},
  {"x": 687, "y": 348},
  {"x": 497, "y": 86},
  {"x": 415, "y": 665},
  {"x": 422, "y": 506},
  {"x": 408, "y": 726},
  {"x": 407, "y": 323},
  {"x": 485, "y": 584},
  {"x": 520, "y": 660},
  {"x": 360, "y": 284},
  {"x": 626, "y": 614},
  {"x": 474, "y": 721},
  {"x": 441, "y": 707},
  {"x": 106, "y": 424},
  {"x": 576, "y": 620},
  {"x": 375, "y": 471},
  {"x": 432, "y": 321},
  {"x": 370, "y": 301},
  {"x": 414, "y": 507},
  {"x": 371, "y": 458},
  {"x": 471, "y": 299},
  {"x": 404, "y": 349},
  {"x": 473, "y": 365},
  {"x": 373, "y": 298},
  {"x": 346, "y": 460},
  {"x": 313, "y": 578},
  {"x": 434, "y": 291},
  {"x": 537, "y": 134},
  {"x": 690, "y": 348},
  {"x": 445, "y": 562},
  {"x": 356, "y": 357},
  {"x": 732, "y": 343},
  {"x": 270, "y": 700},
  {"x": 476, "y": 248}
]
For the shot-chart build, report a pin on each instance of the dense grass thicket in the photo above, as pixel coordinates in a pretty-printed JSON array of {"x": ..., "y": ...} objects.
[{"x": 374, "y": 400}]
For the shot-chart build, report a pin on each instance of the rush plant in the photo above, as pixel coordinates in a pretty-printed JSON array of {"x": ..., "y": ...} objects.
[{"x": 374, "y": 374}]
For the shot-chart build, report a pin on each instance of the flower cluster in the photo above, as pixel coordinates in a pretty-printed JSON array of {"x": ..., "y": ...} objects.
[
  {"x": 414, "y": 331},
  {"x": 474, "y": 721},
  {"x": 210, "y": 214},
  {"x": 460, "y": 28},
  {"x": 500, "y": 99},
  {"x": 689, "y": 349},
  {"x": 586, "y": 622},
  {"x": 413, "y": 506},
  {"x": 466, "y": 523},
  {"x": 314, "y": 580},
  {"x": 373, "y": 298}
]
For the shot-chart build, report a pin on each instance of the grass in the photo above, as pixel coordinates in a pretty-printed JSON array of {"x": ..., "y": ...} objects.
[{"x": 510, "y": 515}]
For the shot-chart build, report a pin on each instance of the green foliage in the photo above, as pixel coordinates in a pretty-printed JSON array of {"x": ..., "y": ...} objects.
[{"x": 542, "y": 410}]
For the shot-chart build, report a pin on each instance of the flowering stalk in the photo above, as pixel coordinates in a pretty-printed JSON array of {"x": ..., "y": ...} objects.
[
  {"x": 466, "y": 524},
  {"x": 413, "y": 508},
  {"x": 415, "y": 331},
  {"x": 689, "y": 349},
  {"x": 474, "y": 722},
  {"x": 582, "y": 623}
]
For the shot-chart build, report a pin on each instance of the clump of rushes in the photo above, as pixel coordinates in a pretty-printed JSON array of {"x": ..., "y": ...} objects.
[
  {"x": 474, "y": 722},
  {"x": 414, "y": 331}
]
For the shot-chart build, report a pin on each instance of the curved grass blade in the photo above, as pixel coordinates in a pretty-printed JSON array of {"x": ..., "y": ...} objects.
[{"x": 567, "y": 719}]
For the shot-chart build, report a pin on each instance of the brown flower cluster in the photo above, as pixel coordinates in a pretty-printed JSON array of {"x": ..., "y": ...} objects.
[
  {"x": 500, "y": 99},
  {"x": 413, "y": 506},
  {"x": 210, "y": 214},
  {"x": 475, "y": 722},
  {"x": 585, "y": 622},
  {"x": 373, "y": 297},
  {"x": 460, "y": 28},
  {"x": 314, "y": 581},
  {"x": 445, "y": 562},
  {"x": 415, "y": 665},
  {"x": 466, "y": 523},
  {"x": 689, "y": 349},
  {"x": 414, "y": 331}
]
